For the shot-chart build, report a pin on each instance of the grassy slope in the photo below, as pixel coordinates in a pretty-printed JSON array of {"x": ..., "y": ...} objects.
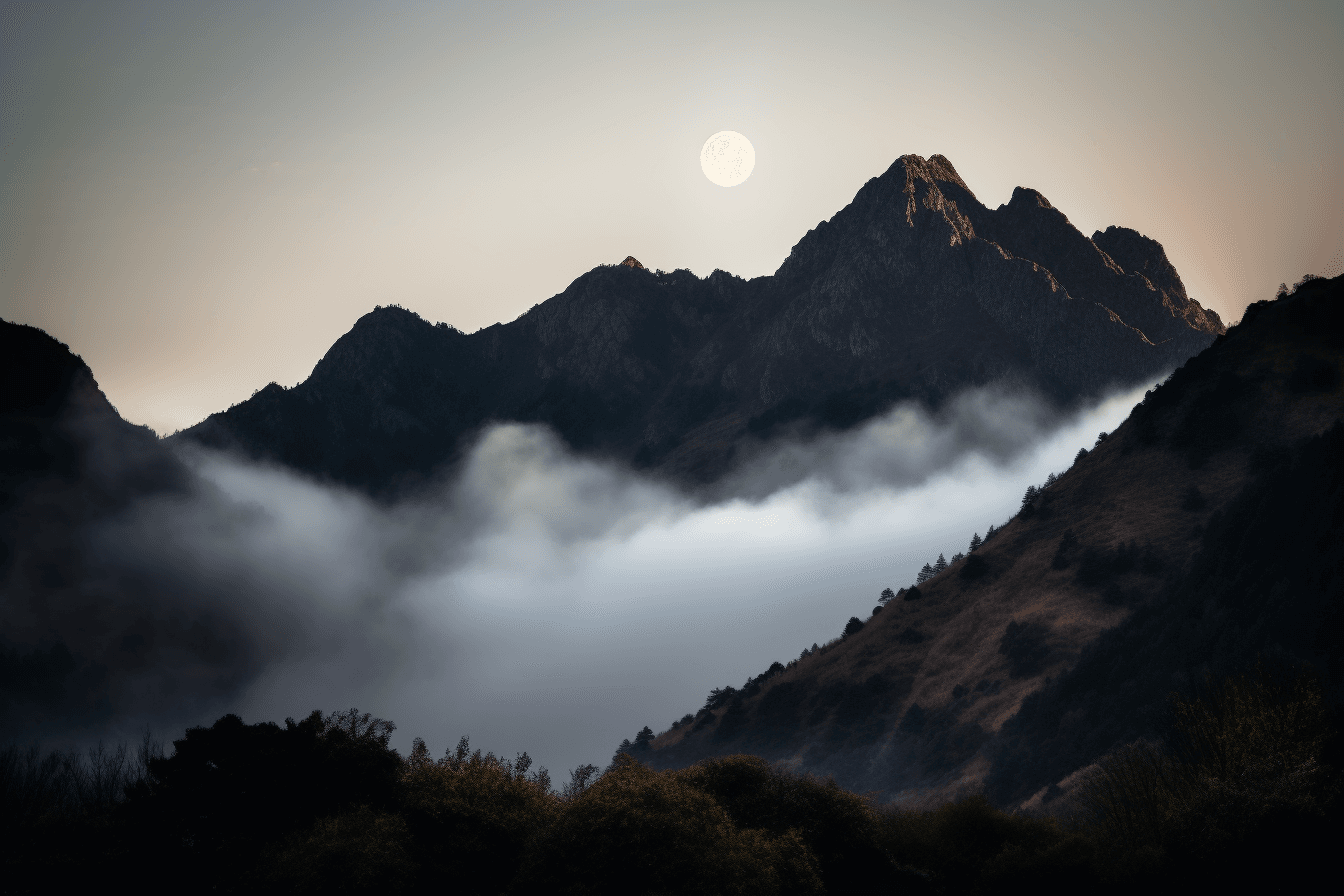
[{"x": 851, "y": 710}]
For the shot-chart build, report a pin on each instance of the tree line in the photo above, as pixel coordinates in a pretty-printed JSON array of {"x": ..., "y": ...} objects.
[{"x": 1243, "y": 788}]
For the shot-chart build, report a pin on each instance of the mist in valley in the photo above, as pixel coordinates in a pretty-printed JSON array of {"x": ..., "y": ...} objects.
[{"x": 538, "y": 600}]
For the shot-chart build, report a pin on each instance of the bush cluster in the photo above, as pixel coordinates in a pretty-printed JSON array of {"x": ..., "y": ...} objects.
[
  {"x": 1239, "y": 782},
  {"x": 1239, "y": 787}
]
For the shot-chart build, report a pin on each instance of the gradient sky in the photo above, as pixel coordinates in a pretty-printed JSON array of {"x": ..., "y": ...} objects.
[{"x": 200, "y": 198}]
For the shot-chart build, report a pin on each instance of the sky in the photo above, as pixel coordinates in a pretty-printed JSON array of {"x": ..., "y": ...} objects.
[{"x": 199, "y": 198}]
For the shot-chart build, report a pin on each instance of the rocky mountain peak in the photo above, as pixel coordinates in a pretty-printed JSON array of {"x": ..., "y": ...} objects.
[
  {"x": 1029, "y": 197},
  {"x": 935, "y": 169},
  {"x": 913, "y": 292}
]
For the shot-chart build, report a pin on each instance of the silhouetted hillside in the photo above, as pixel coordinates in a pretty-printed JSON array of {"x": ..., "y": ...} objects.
[
  {"x": 1205, "y": 532},
  {"x": 80, "y": 632},
  {"x": 914, "y": 291}
]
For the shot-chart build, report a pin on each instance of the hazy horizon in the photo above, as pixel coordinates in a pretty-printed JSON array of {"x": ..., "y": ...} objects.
[{"x": 200, "y": 198}]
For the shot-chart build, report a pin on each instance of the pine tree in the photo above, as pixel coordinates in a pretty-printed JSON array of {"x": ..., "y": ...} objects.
[
  {"x": 1050, "y": 480},
  {"x": 940, "y": 565},
  {"x": 975, "y": 541},
  {"x": 957, "y": 556},
  {"x": 1082, "y": 453},
  {"x": 924, "y": 574},
  {"x": 887, "y": 595},
  {"x": 989, "y": 531}
]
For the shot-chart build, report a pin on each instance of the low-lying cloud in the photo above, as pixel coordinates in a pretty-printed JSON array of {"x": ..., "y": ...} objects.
[{"x": 539, "y": 601}]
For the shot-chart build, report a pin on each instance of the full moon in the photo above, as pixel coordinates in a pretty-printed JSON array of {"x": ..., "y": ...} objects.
[{"x": 727, "y": 158}]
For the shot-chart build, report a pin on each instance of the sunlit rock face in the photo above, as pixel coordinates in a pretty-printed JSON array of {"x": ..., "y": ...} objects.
[{"x": 913, "y": 291}]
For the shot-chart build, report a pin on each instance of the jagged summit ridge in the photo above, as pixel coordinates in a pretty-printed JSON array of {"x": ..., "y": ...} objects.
[{"x": 912, "y": 292}]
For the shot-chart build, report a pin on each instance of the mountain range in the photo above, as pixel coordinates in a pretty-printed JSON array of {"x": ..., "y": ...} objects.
[
  {"x": 1204, "y": 535},
  {"x": 914, "y": 291}
]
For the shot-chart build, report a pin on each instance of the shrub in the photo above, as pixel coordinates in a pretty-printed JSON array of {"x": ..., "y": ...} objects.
[
  {"x": 230, "y": 788},
  {"x": 1314, "y": 375},
  {"x": 580, "y": 779},
  {"x": 360, "y": 851},
  {"x": 638, "y": 830},
  {"x": 472, "y": 815},
  {"x": 1027, "y": 647},
  {"x": 1068, "y": 542},
  {"x": 836, "y": 827},
  {"x": 1242, "y": 764},
  {"x": 1098, "y": 566},
  {"x": 968, "y": 846},
  {"x": 64, "y": 824},
  {"x": 974, "y": 568}
]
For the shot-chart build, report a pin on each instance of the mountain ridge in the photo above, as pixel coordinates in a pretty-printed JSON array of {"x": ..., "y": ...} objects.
[{"x": 913, "y": 291}]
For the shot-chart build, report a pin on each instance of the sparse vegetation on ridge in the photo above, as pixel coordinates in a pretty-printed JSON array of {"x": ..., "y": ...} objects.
[{"x": 1165, "y": 551}]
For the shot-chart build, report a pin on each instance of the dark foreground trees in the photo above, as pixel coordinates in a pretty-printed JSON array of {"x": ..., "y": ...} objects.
[{"x": 1244, "y": 788}]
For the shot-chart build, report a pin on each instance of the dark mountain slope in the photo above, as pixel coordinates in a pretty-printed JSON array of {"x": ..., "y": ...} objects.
[
  {"x": 900, "y": 296},
  {"x": 1267, "y": 579},
  {"x": 1206, "y": 531},
  {"x": 57, "y": 427},
  {"x": 81, "y": 632}
]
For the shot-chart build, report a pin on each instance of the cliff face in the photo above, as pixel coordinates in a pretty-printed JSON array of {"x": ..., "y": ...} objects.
[
  {"x": 913, "y": 291},
  {"x": 1204, "y": 533}
]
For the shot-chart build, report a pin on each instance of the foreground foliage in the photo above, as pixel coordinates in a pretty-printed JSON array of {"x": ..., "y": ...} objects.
[{"x": 1243, "y": 787}]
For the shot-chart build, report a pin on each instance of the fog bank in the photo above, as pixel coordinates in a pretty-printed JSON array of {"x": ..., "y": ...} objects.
[{"x": 545, "y": 602}]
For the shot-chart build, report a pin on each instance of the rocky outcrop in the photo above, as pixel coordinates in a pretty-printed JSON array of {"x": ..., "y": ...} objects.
[{"x": 913, "y": 291}]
